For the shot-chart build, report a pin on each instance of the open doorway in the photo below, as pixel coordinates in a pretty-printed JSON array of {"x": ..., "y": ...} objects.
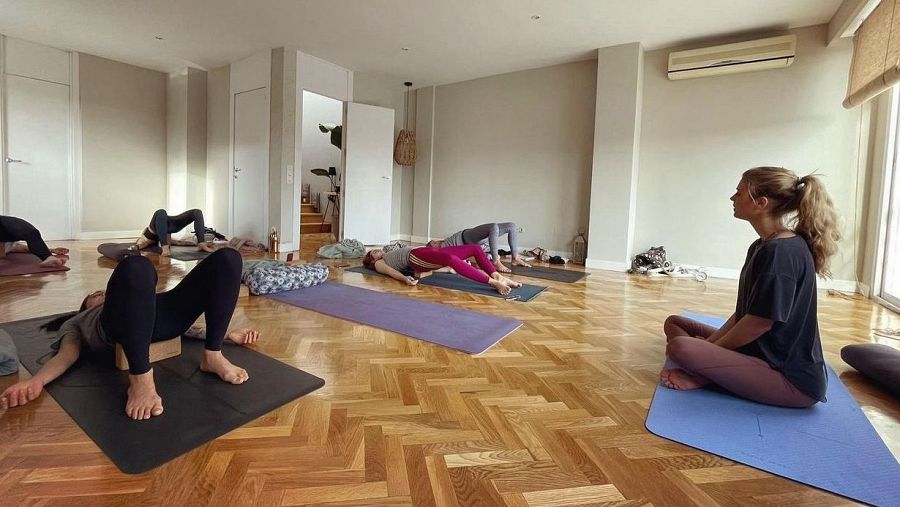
[{"x": 320, "y": 167}]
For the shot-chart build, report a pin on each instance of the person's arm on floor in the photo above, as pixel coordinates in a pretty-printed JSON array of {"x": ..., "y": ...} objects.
[
  {"x": 22, "y": 392},
  {"x": 744, "y": 331},
  {"x": 384, "y": 269}
]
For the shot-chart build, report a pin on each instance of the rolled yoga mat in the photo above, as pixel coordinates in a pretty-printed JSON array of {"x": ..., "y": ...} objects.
[
  {"x": 24, "y": 264},
  {"x": 456, "y": 282},
  {"x": 118, "y": 251},
  {"x": 555, "y": 274},
  {"x": 831, "y": 445},
  {"x": 198, "y": 406},
  {"x": 446, "y": 325}
]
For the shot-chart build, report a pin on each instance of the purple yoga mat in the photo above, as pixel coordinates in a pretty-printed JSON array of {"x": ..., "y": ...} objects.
[
  {"x": 24, "y": 264},
  {"x": 459, "y": 329}
]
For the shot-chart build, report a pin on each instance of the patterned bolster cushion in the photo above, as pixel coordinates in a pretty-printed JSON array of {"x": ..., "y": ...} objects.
[{"x": 283, "y": 278}]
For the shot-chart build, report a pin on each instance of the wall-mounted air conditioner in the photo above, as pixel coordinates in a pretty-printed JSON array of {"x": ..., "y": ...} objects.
[{"x": 762, "y": 54}]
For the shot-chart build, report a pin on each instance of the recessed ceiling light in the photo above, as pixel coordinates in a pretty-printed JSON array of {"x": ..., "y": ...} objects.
[
  {"x": 535, "y": 17},
  {"x": 158, "y": 37}
]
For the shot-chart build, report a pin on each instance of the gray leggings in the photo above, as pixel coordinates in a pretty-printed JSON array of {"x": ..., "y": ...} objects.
[
  {"x": 746, "y": 376},
  {"x": 492, "y": 233}
]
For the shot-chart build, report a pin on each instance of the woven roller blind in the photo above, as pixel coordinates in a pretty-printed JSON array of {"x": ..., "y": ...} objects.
[{"x": 875, "y": 65}]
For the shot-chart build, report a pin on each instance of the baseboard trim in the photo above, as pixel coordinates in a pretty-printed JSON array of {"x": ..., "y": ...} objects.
[
  {"x": 607, "y": 265},
  {"x": 419, "y": 239},
  {"x": 401, "y": 237},
  {"x": 110, "y": 234}
]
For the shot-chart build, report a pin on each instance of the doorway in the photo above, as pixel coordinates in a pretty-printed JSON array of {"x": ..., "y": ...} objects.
[
  {"x": 320, "y": 166},
  {"x": 251, "y": 165}
]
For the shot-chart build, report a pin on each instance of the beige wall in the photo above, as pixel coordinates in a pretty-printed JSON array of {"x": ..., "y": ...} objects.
[
  {"x": 123, "y": 113},
  {"x": 218, "y": 87},
  {"x": 699, "y": 135},
  {"x": 516, "y": 147}
]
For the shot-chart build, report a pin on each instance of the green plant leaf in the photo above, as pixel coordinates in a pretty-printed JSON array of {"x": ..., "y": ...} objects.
[
  {"x": 319, "y": 172},
  {"x": 336, "y": 136},
  {"x": 323, "y": 128}
]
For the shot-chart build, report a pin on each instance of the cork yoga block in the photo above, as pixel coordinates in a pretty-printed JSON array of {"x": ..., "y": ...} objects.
[{"x": 158, "y": 352}]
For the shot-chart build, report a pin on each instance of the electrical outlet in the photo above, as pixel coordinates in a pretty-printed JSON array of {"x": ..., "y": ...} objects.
[{"x": 290, "y": 175}]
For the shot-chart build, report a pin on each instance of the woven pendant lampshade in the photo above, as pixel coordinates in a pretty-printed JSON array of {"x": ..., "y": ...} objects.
[{"x": 405, "y": 147}]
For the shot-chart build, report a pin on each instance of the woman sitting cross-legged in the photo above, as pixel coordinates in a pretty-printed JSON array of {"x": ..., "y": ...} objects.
[
  {"x": 769, "y": 350},
  {"x": 162, "y": 226},
  {"x": 132, "y": 314},
  {"x": 423, "y": 259}
]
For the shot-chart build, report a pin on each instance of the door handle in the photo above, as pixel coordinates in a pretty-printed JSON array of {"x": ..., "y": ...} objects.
[
  {"x": 385, "y": 177},
  {"x": 12, "y": 161},
  {"x": 237, "y": 169}
]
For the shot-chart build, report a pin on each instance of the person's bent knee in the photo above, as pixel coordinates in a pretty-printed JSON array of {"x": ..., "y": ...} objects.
[
  {"x": 137, "y": 271},
  {"x": 227, "y": 258},
  {"x": 677, "y": 349},
  {"x": 672, "y": 325}
]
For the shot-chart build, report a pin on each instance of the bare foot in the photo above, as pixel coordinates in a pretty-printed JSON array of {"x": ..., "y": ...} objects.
[
  {"x": 205, "y": 247},
  {"x": 214, "y": 362},
  {"x": 676, "y": 378},
  {"x": 243, "y": 336},
  {"x": 502, "y": 267},
  {"x": 500, "y": 286},
  {"x": 508, "y": 281},
  {"x": 143, "y": 402},
  {"x": 519, "y": 262},
  {"x": 59, "y": 251},
  {"x": 166, "y": 251},
  {"x": 54, "y": 262}
]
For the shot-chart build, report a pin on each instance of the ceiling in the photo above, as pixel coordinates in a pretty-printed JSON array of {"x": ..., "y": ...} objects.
[{"x": 447, "y": 40}]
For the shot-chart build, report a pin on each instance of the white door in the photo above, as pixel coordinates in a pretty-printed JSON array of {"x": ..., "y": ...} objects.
[
  {"x": 368, "y": 165},
  {"x": 38, "y": 166},
  {"x": 250, "y": 172}
]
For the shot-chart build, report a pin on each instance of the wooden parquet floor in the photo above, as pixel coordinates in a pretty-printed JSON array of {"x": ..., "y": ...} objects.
[{"x": 552, "y": 416}]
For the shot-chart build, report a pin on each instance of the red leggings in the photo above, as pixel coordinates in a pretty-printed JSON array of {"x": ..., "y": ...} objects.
[
  {"x": 428, "y": 259},
  {"x": 746, "y": 376}
]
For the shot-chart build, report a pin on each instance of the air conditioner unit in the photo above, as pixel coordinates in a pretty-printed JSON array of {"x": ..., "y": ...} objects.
[{"x": 762, "y": 54}]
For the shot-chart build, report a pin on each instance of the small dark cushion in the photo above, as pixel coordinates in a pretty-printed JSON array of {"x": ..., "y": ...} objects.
[{"x": 879, "y": 363}]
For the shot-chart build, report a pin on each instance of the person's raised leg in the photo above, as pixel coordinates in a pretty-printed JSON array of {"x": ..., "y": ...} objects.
[
  {"x": 749, "y": 377},
  {"x": 453, "y": 257},
  {"x": 211, "y": 288},
  {"x": 17, "y": 229},
  {"x": 159, "y": 225},
  {"x": 676, "y": 325},
  {"x": 512, "y": 235},
  {"x": 127, "y": 317}
]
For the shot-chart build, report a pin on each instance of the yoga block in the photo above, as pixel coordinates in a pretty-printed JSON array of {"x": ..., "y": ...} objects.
[
  {"x": 245, "y": 291},
  {"x": 158, "y": 352}
]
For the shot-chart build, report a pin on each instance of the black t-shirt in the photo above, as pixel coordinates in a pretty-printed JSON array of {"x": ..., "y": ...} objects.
[{"x": 778, "y": 282}]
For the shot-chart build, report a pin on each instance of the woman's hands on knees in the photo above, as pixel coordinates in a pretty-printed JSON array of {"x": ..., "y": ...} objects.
[{"x": 21, "y": 393}]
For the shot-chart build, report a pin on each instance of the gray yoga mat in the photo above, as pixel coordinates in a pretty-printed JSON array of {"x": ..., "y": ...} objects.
[
  {"x": 118, "y": 251},
  {"x": 456, "y": 282},
  {"x": 198, "y": 406},
  {"x": 24, "y": 264},
  {"x": 555, "y": 274},
  {"x": 446, "y": 325}
]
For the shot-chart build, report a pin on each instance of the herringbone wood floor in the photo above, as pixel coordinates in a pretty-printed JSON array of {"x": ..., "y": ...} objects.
[{"x": 553, "y": 415}]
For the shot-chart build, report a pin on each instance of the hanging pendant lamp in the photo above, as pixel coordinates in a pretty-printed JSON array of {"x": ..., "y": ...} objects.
[{"x": 405, "y": 147}]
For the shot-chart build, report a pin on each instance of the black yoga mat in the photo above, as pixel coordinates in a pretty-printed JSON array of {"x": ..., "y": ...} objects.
[
  {"x": 118, "y": 251},
  {"x": 198, "y": 406},
  {"x": 555, "y": 274},
  {"x": 456, "y": 282}
]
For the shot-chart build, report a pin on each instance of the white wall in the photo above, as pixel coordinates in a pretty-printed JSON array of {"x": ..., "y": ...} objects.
[
  {"x": 699, "y": 136},
  {"x": 516, "y": 147},
  {"x": 318, "y": 152},
  {"x": 176, "y": 140},
  {"x": 123, "y": 112},
  {"x": 218, "y": 141}
]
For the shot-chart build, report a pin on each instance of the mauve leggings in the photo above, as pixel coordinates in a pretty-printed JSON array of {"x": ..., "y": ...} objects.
[
  {"x": 134, "y": 315},
  {"x": 492, "y": 233},
  {"x": 746, "y": 376},
  {"x": 16, "y": 229},
  {"x": 429, "y": 259}
]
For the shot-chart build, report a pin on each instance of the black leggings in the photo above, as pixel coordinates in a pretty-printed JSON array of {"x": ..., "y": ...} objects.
[
  {"x": 16, "y": 229},
  {"x": 161, "y": 225},
  {"x": 134, "y": 315}
]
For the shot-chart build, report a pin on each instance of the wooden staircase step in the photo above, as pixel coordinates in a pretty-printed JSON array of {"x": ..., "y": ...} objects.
[
  {"x": 307, "y": 208},
  {"x": 309, "y": 218},
  {"x": 317, "y": 227}
]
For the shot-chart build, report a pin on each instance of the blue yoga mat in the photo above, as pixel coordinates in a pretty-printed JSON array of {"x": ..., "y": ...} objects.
[
  {"x": 831, "y": 445},
  {"x": 445, "y": 325}
]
